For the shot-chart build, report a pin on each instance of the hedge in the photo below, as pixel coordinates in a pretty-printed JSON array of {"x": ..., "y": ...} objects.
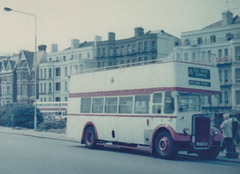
[{"x": 18, "y": 114}]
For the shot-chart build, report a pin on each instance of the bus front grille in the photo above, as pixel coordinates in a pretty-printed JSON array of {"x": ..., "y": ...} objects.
[{"x": 201, "y": 132}]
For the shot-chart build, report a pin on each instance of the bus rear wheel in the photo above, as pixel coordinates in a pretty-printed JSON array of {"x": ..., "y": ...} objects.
[
  {"x": 165, "y": 147},
  {"x": 89, "y": 137}
]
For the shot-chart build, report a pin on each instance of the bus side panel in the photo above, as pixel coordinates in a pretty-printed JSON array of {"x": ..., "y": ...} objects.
[
  {"x": 110, "y": 128},
  {"x": 124, "y": 129},
  {"x": 77, "y": 123},
  {"x": 138, "y": 127},
  {"x": 165, "y": 122},
  {"x": 74, "y": 105},
  {"x": 75, "y": 127}
]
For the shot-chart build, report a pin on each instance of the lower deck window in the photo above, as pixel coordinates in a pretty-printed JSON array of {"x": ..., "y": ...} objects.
[
  {"x": 138, "y": 104},
  {"x": 97, "y": 106},
  {"x": 142, "y": 104},
  {"x": 125, "y": 105},
  {"x": 111, "y": 105},
  {"x": 168, "y": 103},
  {"x": 86, "y": 105},
  {"x": 157, "y": 103},
  {"x": 189, "y": 102}
]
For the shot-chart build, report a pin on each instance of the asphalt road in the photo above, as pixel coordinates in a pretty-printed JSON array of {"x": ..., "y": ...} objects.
[{"x": 31, "y": 155}]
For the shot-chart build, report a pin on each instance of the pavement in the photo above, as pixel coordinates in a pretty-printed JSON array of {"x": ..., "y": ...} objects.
[{"x": 63, "y": 137}]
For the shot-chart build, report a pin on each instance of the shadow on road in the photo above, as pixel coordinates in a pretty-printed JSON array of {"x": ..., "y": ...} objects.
[{"x": 179, "y": 157}]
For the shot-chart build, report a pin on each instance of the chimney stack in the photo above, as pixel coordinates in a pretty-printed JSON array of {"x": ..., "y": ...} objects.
[
  {"x": 74, "y": 43},
  {"x": 139, "y": 31},
  {"x": 42, "y": 48},
  {"x": 111, "y": 36},
  {"x": 227, "y": 18},
  {"x": 97, "y": 39},
  {"x": 54, "y": 48}
]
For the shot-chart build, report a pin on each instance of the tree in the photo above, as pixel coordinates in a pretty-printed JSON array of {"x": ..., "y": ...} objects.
[{"x": 18, "y": 114}]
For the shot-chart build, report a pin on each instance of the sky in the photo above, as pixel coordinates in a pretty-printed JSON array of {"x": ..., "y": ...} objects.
[{"x": 60, "y": 21}]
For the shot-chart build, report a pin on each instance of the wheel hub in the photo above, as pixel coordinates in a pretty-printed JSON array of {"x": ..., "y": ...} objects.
[
  {"x": 89, "y": 137},
  {"x": 163, "y": 144}
]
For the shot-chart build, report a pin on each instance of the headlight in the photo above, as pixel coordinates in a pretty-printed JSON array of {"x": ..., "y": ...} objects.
[
  {"x": 186, "y": 131},
  {"x": 215, "y": 132}
]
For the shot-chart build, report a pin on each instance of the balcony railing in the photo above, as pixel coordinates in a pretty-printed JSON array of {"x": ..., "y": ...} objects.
[
  {"x": 222, "y": 60},
  {"x": 216, "y": 41},
  {"x": 227, "y": 83}
]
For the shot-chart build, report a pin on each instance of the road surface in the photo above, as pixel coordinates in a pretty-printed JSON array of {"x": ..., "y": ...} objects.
[{"x": 30, "y": 155}]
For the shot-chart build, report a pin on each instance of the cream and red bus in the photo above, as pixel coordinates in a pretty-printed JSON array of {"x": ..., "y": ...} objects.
[{"x": 154, "y": 107}]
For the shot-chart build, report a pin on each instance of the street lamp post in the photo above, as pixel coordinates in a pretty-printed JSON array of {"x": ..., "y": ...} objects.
[{"x": 35, "y": 58}]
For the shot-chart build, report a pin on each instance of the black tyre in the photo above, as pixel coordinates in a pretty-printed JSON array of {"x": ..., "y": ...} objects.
[
  {"x": 212, "y": 153},
  {"x": 89, "y": 137},
  {"x": 165, "y": 146}
]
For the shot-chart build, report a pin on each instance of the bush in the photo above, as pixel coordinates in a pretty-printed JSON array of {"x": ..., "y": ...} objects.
[
  {"x": 17, "y": 114},
  {"x": 49, "y": 125}
]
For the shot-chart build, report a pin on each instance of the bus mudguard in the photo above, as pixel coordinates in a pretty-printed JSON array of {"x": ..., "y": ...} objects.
[
  {"x": 175, "y": 136},
  {"x": 216, "y": 134},
  {"x": 84, "y": 128}
]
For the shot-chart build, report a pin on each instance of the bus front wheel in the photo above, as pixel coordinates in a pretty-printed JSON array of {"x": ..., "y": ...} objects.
[
  {"x": 89, "y": 137},
  {"x": 165, "y": 147},
  {"x": 212, "y": 153}
]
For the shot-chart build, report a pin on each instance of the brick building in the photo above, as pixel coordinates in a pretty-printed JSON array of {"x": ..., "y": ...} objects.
[{"x": 142, "y": 46}]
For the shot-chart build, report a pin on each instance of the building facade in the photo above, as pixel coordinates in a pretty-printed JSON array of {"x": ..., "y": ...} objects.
[
  {"x": 25, "y": 75},
  {"x": 217, "y": 43},
  {"x": 142, "y": 47},
  {"x": 17, "y": 77},
  {"x": 56, "y": 70},
  {"x": 8, "y": 79}
]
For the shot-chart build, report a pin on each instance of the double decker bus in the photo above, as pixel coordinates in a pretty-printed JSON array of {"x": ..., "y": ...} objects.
[{"x": 154, "y": 107}]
